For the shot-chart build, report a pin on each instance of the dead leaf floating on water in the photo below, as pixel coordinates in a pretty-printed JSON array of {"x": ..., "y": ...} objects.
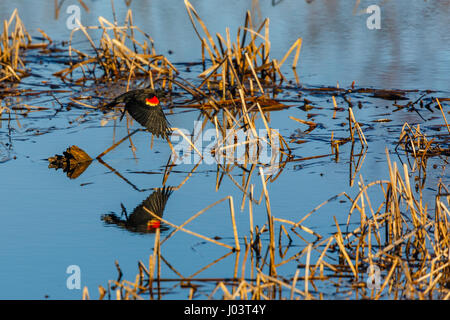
[{"x": 74, "y": 161}]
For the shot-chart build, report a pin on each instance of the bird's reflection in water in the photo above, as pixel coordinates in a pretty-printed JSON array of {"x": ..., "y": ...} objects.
[{"x": 140, "y": 220}]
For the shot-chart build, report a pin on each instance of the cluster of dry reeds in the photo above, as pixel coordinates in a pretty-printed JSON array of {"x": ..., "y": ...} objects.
[
  {"x": 13, "y": 41},
  {"x": 119, "y": 54},
  {"x": 418, "y": 147},
  {"x": 413, "y": 141},
  {"x": 246, "y": 62}
]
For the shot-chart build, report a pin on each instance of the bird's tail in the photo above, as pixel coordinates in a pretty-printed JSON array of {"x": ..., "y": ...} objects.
[
  {"x": 122, "y": 98},
  {"x": 109, "y": 105}
]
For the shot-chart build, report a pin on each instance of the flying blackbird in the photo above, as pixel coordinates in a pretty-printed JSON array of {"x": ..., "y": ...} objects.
[{"x": 144, "y": 106}]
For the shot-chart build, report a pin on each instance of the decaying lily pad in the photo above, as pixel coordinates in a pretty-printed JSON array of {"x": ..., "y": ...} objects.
[{"x": 74, "y": 161}]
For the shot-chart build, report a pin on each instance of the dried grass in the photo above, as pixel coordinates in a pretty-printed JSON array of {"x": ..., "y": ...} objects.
[
  {"x": 14, "y": 40},
  {"x": 123, "y": 53}
]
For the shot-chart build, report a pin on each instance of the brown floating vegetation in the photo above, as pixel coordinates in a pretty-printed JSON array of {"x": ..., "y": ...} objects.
[{"x": 74, "y": 161}]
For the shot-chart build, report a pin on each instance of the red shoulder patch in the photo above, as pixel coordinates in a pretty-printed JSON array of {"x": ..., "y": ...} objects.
[
  {"x": 152, "y": 101},
  {"x": 153, "y": 224}
]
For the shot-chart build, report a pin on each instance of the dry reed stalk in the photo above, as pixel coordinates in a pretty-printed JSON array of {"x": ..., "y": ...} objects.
[
  {"x": 246, "y": 185},
  {"x": 322, "y": 255},
  {"x": 233, "y": 220},
  {"x": 239, "y": 290},
  {"x": 244, "y": 260},
  {"x": 250, "y": 210},
  {"x": 321, "y": 205},
  {"x": 391, "y": 272},
  {"x": 312, "y": 125},
  {"x": 192, "y": 276},
  {"x": 85, "y": 295},
  {"x": 116, "y": 144},
  {"x": 188, "y": 231},
  {"x": 295, "y": 256},
  {"x": 339, "y": 241},
  {"x": 254, "y": 73},
  {"x": 102, "y": 292},
  {"x": 362, "y": 138},
  {"x": 188, "y": 140},
  {"x": 443, "y": 115},
  {"x": 270, "y": 223},
  {"x": 237, "y": 248},
  {"x": 294, "y": 225},
  {"x": 294, "y": 282},
  {"x": 308, "y": 256},
  {"x": 374, "y": 217},
  {"x": 358, "y": 166},
  {"x": 274, "y": 280},
  {"x": 361, "y": 194},
  {"x": 227, "y": 294}
]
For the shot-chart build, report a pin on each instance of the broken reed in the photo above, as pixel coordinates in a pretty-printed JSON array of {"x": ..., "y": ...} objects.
[{"x": 119, "y": 54}]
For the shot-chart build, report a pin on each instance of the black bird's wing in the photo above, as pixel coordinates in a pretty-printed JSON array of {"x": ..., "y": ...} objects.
[
  {"x": 151, "y": 117},
  {"x": 156, "y": 203}
]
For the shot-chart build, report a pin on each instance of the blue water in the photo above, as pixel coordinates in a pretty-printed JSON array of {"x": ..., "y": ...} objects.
[{"x": 50, "y": 222}]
